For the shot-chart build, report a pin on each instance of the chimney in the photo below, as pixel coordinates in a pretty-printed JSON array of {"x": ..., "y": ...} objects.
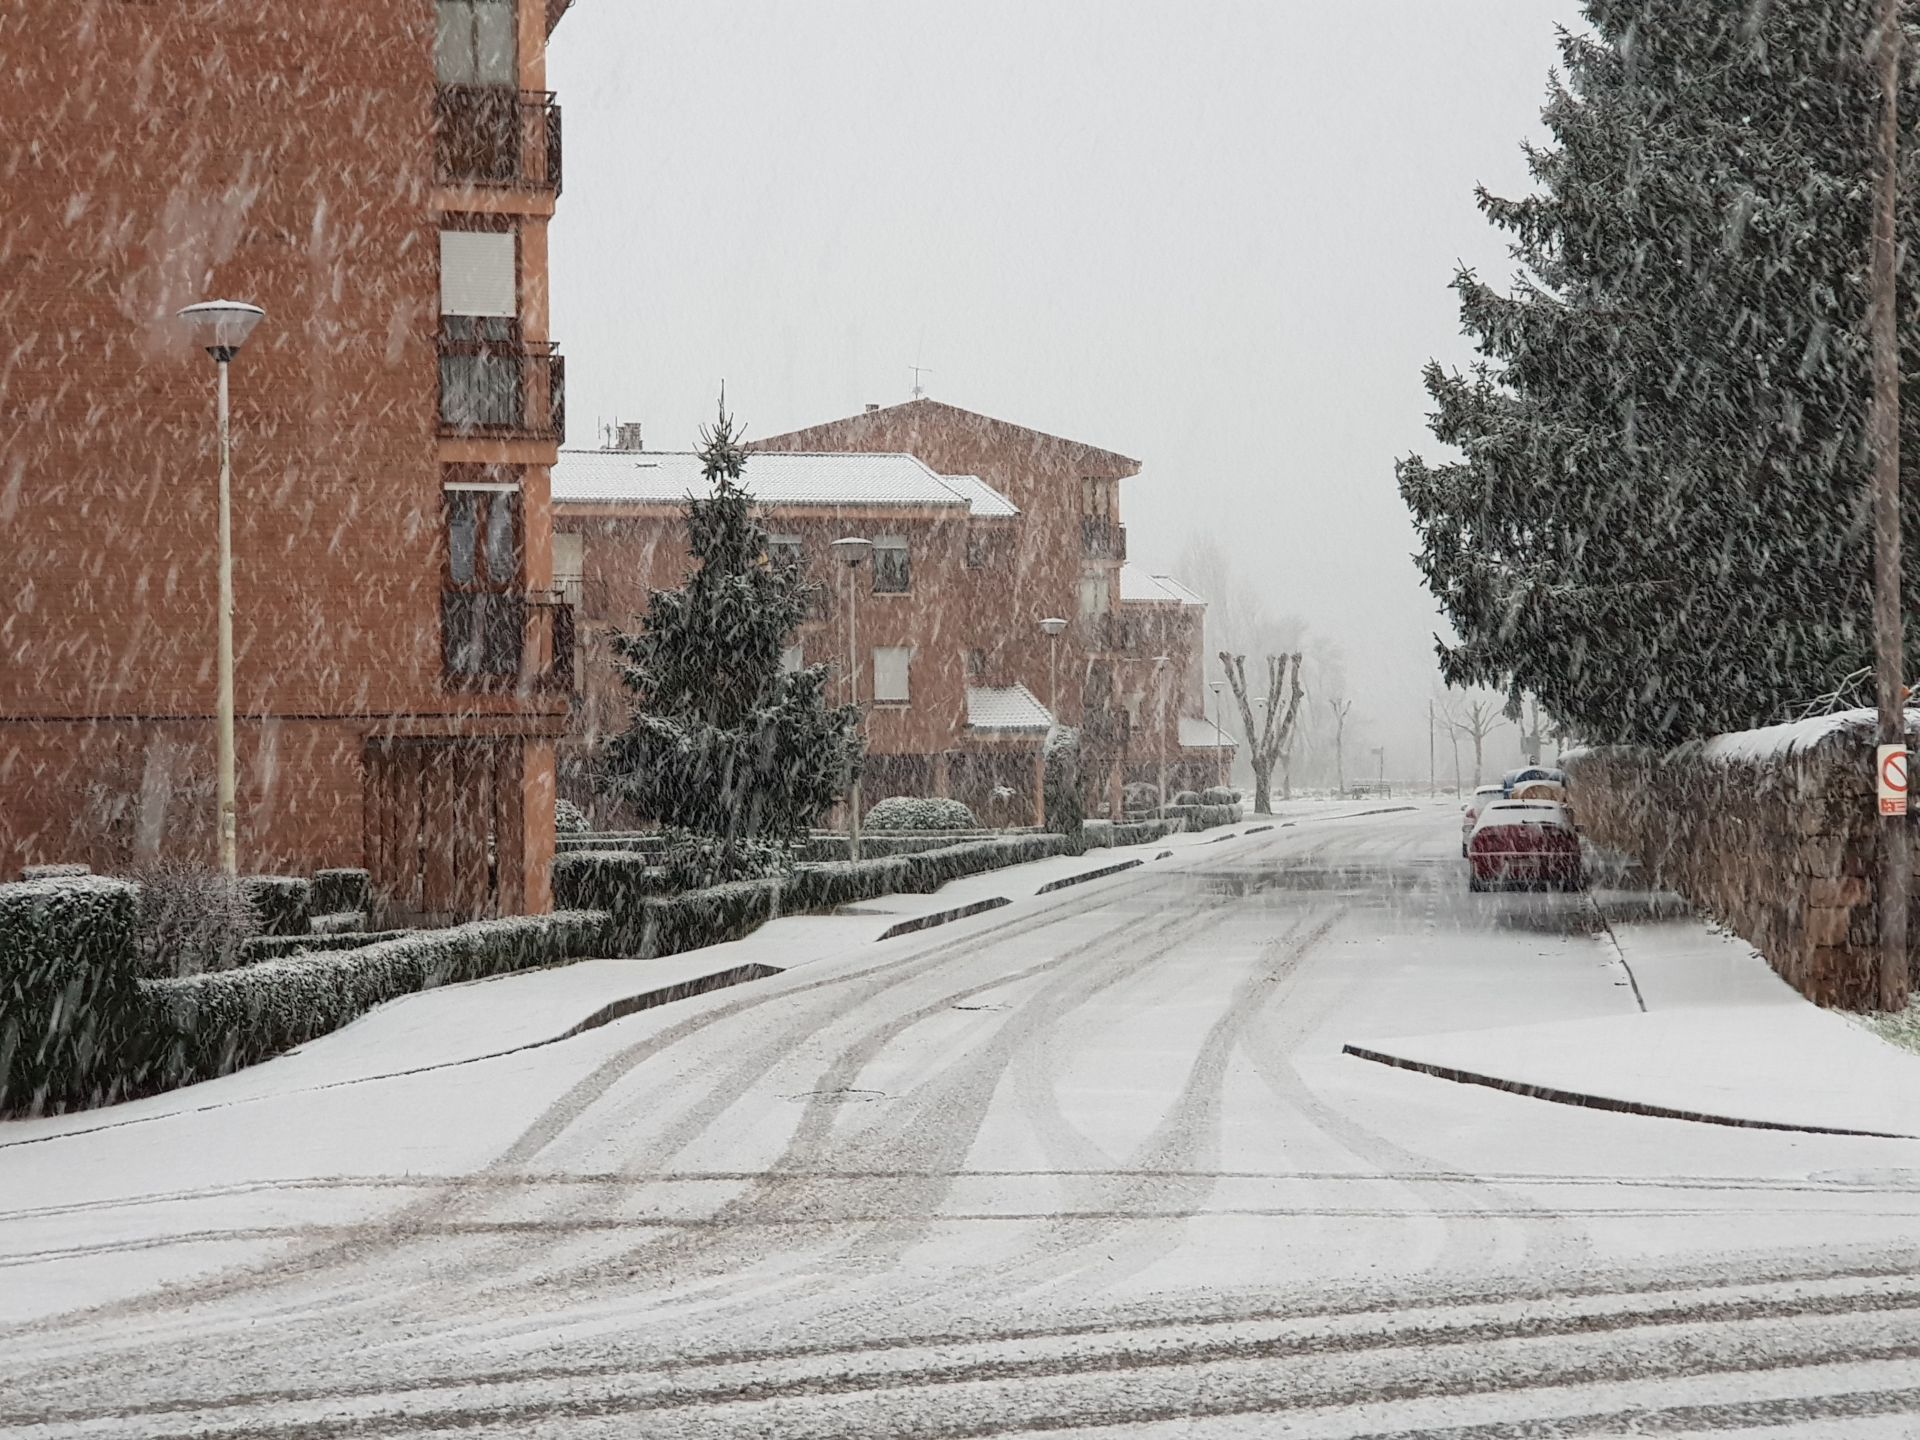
[
  {"x": 872, "y": 408},
  {"x": 625, "y": 436}
]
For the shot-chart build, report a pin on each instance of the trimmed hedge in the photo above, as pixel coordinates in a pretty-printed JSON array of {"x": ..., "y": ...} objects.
[
  {"x": 339, "y": 890},
  {"x": 281, "y": 901},
  {"x": 54, "y": 872},
  {"x": 276, "y": 947},
  {"x": 69, "y": 992},
  {"x": 914, "y": 812},
  {"x": 1219, "y": 795},
  {"x": 207, "y": 1025},
  {"x": 1203, "y": 817},
  {"x": 1106, "y": 833},
  {"x": 339, "y": 922}
]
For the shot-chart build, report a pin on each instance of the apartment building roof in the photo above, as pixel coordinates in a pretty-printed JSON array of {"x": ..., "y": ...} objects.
[
  {"x": 668, "y": 477},
  {"x": 1198, "y": 733},
  {"x": 1138, "y": 587},
  {"x": 1004, "y": 708}
]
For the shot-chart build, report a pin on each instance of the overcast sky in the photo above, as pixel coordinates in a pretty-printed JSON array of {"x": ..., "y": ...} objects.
[{"x": 1213, "y": 236}]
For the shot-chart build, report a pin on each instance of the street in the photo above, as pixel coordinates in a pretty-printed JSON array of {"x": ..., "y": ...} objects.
[{"x": 1092, "y": 1163}]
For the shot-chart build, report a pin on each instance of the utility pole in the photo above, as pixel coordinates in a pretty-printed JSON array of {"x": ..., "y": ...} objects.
[
  {"x": 1433, "y": 774},
  {"x": 1884, "y": 425}
]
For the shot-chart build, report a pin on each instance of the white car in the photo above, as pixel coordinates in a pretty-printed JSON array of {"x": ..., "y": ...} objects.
[{"x": 1470, "y": 812}]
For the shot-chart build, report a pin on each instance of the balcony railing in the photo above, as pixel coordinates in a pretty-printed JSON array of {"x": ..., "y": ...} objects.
[
  {"x": 494, "y": 388},
  {"x": 489, "y": 135},
  {"x": 493, "y": 640},
  {"x": 1102, "y": 539}
]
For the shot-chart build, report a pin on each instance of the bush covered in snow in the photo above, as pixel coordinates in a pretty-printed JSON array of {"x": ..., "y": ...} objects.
[
  {"x": 1202, "y": 817},
  {"x": 1140, "y": 797},
  {"x": 1066, "y": 807},
  {"x": 1219, "y": 795},
  {"x": 699, "y": 862},
  {"x": 282, "y": 902},
  {"x": 1185, "y": 797},
  {"x": 69, "y": 992},
  {"x": 190, "y": 920},
  {"x": 569, "y": 818},
  {"x": 916, "y": 812},
  {"x": 339, "y": 890},
  {"x": 208, "y": 1025},
  {"x": 54, "y": 872},
  {"x": 277, "y": 947},
  {"x": 1103, "y": 833}
]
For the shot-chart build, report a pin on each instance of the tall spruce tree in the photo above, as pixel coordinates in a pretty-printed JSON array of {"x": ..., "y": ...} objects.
[
  {"x": 1659, "y": 522},
  {"x": 724, "y": 744}
]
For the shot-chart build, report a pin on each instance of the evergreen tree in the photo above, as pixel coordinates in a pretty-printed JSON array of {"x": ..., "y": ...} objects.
[
  {"x": 724, "y": 745},
  {"x": 1659, "y": 523}
]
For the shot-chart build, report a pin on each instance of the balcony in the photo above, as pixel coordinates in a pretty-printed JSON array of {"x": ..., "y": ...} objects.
[
  {"x": 487, "y": 135},
  {"x": 493, "y": 640},
  {"x": 1102, "y": 539},
  {"x": 498, "y": 389}
]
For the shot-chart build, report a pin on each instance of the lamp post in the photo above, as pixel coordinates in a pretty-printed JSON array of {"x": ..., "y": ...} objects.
[
  {"x": 1160, "y": 664},
  {"x": 222, "y": 327},
  {"x": 1053, "y": 627},
  {"x": 850, "y": 551},
  {"x": 1219, "y": 750}
]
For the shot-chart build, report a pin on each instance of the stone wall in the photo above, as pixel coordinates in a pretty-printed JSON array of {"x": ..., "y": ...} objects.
[{"x": 1771, "y": 832}]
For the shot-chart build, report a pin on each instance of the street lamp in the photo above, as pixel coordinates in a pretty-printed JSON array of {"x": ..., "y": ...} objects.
[
  {"x": 222, "y": 327},
  {"x": 850, "y": 551},
  {"x": 1219, "y": 750},
  {"x": 1053, "y": 628},
  {"x": 1160, "y": 664}
]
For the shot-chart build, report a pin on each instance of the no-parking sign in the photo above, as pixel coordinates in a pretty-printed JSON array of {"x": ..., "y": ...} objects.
[{"x": 1892, "y": 770}]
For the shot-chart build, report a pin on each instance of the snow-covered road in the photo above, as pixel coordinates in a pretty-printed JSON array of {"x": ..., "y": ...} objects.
[{"x": 1090, "y": 1163}]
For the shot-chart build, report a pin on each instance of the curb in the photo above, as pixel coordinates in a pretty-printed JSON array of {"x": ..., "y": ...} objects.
[
  {"x": 685, "y": 990},
  {"x": 941, "y": 917},
  {"x": 1602, "y": 1102},
  {"x": 1082, "y": 878}
]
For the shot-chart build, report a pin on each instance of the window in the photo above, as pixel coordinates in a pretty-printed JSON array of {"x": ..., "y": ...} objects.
[
  {"x": 1095, "y": 594},
  {"x": 482, "y": 612},
  {"x": 793, "y": 659},
  {"x": 976, "y": 664},
  {"x": 890, "y": 674},
  {"x": 978, "y": 550},
  {"x": 786, "y": 550},
  {"x": 891, "y": 574},
  {"x": 480, "y": 365},
  {"x": 473, "y": 44},
  {"x": 570, "y": 567},
  {"x": 478, "y": 273},
  {"x": 1096, "y": 499}
]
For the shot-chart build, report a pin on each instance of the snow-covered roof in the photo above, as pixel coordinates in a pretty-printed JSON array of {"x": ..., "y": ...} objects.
[
  {"x": 1005, "y": 707},
  {"x": 987, "y": 502},
  {"x": 1139, "y": 587},
  {"x": 667, "y": 477},
  {"x": 1201, "y": 734}
]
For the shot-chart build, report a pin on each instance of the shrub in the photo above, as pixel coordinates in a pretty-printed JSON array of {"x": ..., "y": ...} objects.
[
  {"x": 569, "y": 818},
  {"x": 1066, "y": 807},
  {"x": 1140, "y": 796},
  {"x": 277, "y": 947},
  {"x": 1185, "y": 797},
  {"x": 208, "y": 1025},
  {"x": 340, "y": 922},
  {"x": 191, "y": 920},
  {"x": 1219, "y": 795},
  {"x": 699, "y": 862},
  {"x": 69, "y": 992},
  {"x": 910, "y": 812},
  {"x": 339, "y": 890},
  {"x": 282, "y": 902},
  {"x": 1203, "y": 817},
  {"x": 1139, "y": 832}
]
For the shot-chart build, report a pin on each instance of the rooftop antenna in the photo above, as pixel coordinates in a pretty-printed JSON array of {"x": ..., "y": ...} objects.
[{"x": 919, "y": 370}]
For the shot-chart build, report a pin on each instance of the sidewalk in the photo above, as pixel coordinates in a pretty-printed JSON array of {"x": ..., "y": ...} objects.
[{"x": 1722, "y": 1038}]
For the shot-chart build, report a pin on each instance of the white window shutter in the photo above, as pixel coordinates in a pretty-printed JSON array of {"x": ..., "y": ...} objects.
[
  {"x": 477, "y": 273},
  {"x": 890, "y": 673}
]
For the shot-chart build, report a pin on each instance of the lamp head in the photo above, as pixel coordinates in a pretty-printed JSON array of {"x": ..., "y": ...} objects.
[
  {"x": 1052, "y": 627},
  {"x": 222, "y": 326},
  {"x": 851, "y": 549}
]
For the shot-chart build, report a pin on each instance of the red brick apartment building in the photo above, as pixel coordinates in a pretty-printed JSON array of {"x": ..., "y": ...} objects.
[
  {"x": 982, "y": 529},
  {"x": 379, "y": 176}
]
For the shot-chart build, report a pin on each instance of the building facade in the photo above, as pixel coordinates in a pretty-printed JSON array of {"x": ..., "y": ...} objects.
[
  {"x": 380, "y": 178},
  {"x": 982, "y": 531}
]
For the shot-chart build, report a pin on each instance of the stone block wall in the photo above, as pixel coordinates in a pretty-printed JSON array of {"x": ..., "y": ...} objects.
[{"x": 1773, "y": 833}]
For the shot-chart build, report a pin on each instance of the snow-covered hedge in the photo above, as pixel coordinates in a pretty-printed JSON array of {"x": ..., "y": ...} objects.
[
  {"x": 1219, "y": 795},
  {"x": 339, "y": 890},
  {"x": 208, "y": 1025},
  {"x": 916, "y": 812},
  {"x": 1202, "y": 817},
  {"x": 54, "y": 872},
  {"x": 69, "y": 992},
  {"x": 1184, "y": 797},
  {"x": 1104, "y": 833},
  {"x": 280, "y": 901},
  {"x": 569, "y": 818},
  {"x": 1061, "y": 797},
  {"x": 276, "y": 947}
]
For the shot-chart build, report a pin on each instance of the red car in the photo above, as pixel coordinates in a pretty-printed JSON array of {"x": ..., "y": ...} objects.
[{"x": 1525, "y": 842}]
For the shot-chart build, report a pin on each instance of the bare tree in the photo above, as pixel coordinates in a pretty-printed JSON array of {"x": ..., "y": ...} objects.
[
  {"x": 1340, "y": 709},
  {"x": 1275, "y": 733},
  {"x": 1477, "y": 718}
]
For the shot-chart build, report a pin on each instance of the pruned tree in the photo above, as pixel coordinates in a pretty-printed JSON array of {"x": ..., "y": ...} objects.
[
  {"x": 1476, "y": 718},
  {"x": 1274, "y": 736},
  {"x": 1340, "y": 709}
]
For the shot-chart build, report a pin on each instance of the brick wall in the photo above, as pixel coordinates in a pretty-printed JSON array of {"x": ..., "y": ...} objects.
[{"x": 1779, "y": 848}]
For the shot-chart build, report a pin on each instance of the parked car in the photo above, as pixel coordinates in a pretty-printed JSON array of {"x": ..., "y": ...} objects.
[
  {"x": 1524, "y": 842},
  {"x": 1470, "y": 811}
]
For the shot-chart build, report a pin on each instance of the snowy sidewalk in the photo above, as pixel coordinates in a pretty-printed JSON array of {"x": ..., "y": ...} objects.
[{"x": 1722, "y": 1038}]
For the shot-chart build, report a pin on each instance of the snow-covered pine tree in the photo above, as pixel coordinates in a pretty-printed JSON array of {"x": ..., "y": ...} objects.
[
  {"x": 724, "y": 745},
  {"x": 1658, "y": 523}
]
